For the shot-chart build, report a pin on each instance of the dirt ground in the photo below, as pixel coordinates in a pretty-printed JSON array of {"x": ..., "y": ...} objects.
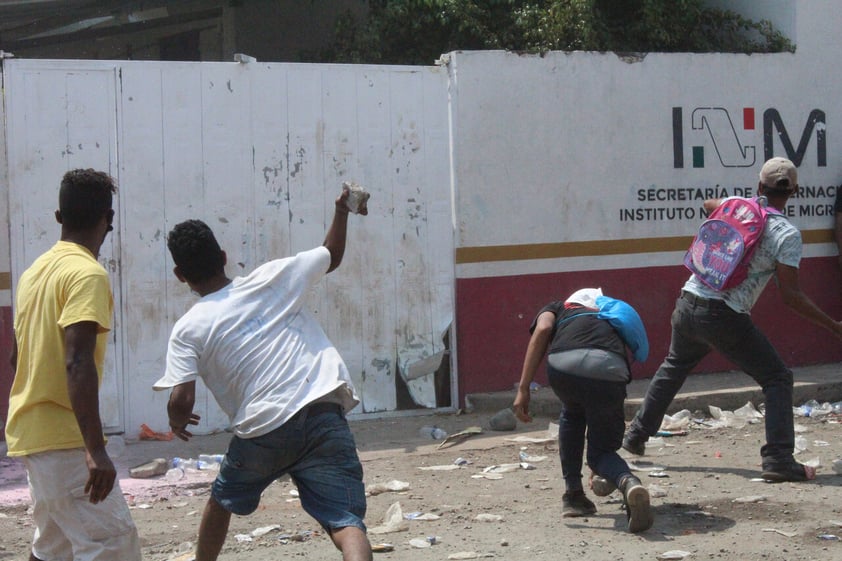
[{"x": 707, "y": 502}]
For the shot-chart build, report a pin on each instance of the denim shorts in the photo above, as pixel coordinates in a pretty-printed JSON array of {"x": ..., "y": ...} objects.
[{"x": 317, "y": 450}]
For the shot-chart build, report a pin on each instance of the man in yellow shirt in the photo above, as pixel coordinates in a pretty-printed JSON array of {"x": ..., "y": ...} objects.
[{"x": 63, "y": 310}]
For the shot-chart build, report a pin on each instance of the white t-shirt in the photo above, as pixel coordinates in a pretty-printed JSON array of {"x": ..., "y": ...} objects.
[
  {"x": 257, "y": 349},
  {"x": 781, "y": 243}
]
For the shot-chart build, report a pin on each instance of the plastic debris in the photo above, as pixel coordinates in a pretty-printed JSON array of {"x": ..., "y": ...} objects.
[
  {"x": 421, "y": 516},
  {"x": 502, "y": 468},
  {"x": 828, "y": 537},
  {"x": 263, "y": 530},
  {"x": 524, "y": 457},
  {"x": 444, "y": 467},
  {"x": 674, "y": 554},
  {"x": 419, "y": 543},
  {"x": 750, "y": 499},
  {"x": 484, "y": 517},
  {"x": 393, "y": 485},
  {"x": 393, "y": 521},
  {"x": 676, "y": 422},
  {"x": 382, "y": 547},
  {"x": 781, "y": 532},
  {"x": 461, "y": 435},
  {"x": 433, "y": 432}
]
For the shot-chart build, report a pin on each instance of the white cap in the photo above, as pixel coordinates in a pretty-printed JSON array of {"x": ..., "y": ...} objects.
[{"x": 585, "y": 296}]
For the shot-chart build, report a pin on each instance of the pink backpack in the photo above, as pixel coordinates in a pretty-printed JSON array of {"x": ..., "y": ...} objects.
[{"x": 721, "y": 251}]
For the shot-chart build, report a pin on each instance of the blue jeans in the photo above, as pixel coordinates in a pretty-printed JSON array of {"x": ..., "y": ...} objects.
[
  {"x": 316, "y": 448},
  {"x": 595, "y": 405},
  {"x": 698, "y": 326}
]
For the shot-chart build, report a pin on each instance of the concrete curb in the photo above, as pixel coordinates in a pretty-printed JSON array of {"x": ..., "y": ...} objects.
[{"x": 726, "y": 390}]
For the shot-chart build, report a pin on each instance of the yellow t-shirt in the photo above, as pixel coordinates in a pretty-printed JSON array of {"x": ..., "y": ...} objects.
[{"x": 64, "y": 286}]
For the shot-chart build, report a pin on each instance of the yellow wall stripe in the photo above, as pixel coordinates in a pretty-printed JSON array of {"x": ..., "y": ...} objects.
[{"x": 594, "y": 248}]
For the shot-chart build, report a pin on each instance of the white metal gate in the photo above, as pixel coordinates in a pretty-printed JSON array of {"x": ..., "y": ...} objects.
[{"x": 259, "y": 152}]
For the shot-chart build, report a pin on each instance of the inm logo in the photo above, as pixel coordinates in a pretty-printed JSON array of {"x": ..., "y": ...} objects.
[{"x": 716, "y": 137}]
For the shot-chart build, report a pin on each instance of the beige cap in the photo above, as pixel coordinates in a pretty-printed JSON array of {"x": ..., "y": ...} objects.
[{"x": 779, "y": 174}]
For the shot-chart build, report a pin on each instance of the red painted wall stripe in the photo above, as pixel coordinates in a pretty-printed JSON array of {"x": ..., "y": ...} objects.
[{"x": 493, "y": 317}]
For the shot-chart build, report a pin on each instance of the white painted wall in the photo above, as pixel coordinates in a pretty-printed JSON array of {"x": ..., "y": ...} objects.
[
  {"x": 258, "y": 151},
  {"x": 559, "y": 147}
]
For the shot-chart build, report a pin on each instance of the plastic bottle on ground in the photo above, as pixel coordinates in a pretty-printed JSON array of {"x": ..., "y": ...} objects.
[
  {"x": 175, "y": 474},
  {"x": 433, "y": 432},
  {"x": 184, "y": 463},
  {"x": 209, "y": 461}
]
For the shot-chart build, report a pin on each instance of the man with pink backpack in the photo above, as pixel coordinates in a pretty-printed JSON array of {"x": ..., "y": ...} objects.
[{"x": 710, "y": 314}]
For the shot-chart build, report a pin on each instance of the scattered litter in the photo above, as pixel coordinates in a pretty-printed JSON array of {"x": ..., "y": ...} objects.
[
  {"x": 461, "y": 435},
  {"x": 836, "y": 523},
  {"x": 674, "y": 554},
  {"x": 524, "y": 457},
  {"x": 492, "y": 476},
  {"x": 445, "y": 467},
  {"x": 668, "y": 433},
  {"x": 820, "y": 443},
  {"x": 488, "y": 517},
  {"x": 263, "y": 530},
  {"x": 676, "y": 422},
  {"x": 242, "y": 538},
  {"x": 750, "y": 499},
  {"x": 293, "y": 492},
  {"x": 421, "y": 516},
  {"x": 143, "y": 506},
  {"x": 393, "y": 521},
  {"x": 781, "y": 532},
  {"x": 393, "y": 485},
  {"x": 148, "y": 434},
  {"x": 502, "y": 468},
  {"x": 382, "y": 547},
  {"x": 660, "y": 474},
  {"x": 419, "y": 543},
  {"x": 828, "y": 537},
  {"x": 433, "y": 432},
  {"x": 461, "y": 461}
]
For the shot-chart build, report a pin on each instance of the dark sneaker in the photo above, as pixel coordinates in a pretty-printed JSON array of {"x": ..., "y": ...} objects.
[
  {"x": 601, "y": 487},
  {"x": 634, "y": 446},
  {"x": 575, "y": 503},
  {"x": 638, "y": 510},
  {"x": 788, "y": 472}
]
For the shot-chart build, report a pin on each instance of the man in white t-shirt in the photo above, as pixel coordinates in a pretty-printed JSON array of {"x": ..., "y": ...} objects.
[
  {"x": 272, "y": 369},
  {"x": 705, "y": 319}
]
